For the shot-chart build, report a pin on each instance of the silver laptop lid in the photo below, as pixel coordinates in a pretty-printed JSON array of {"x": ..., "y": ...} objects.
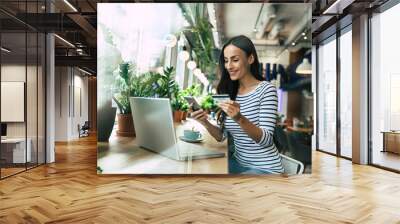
[{"x": 154, "y": 128}]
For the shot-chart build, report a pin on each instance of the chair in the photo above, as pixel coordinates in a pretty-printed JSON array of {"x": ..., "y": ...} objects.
[
  {"x": 280, "y": 140},
  {"x": 291, "y": 166},
  {"x": 299, "y": 146},
  {"x": 84, "y": 130}
]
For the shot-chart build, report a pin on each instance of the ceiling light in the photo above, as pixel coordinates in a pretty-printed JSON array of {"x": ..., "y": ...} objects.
[
  {"x": 65, "y": 41},
  {"x": 84, "y": 71},
  {"x": 337, "y": 7},
  {"x": 304, "y": 68},
  {"x": 303, "y": 34},
  {"x": 191, "y": 65},
  {"x": 70, "y": 5},
  {"x": 5, "y": 50},
  {"x": 255, "y": 30},
  {"x": 293, "y": 43},
  {"x": 305, "y": 38}
]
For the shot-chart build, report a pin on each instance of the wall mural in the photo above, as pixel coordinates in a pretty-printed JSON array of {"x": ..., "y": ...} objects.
[{"x": 183, "y": 88}]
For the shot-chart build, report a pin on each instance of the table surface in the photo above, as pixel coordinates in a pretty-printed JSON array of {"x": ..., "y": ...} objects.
[
  {"x": 391, "y": 132},
  {"x": 13, "y": 140},
  {"x": 121, "y": 155}
]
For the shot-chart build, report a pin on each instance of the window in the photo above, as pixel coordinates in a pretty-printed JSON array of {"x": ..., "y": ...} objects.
[
  {"x": 385, "y": 88},
  {"x": 346, "y": 94},
  {"x": 327, "y": 96}
]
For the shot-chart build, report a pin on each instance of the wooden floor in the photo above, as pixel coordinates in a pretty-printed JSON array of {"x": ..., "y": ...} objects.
[
  {"x": 70, "y": 191},
  {"x": 386, "y": 159}
]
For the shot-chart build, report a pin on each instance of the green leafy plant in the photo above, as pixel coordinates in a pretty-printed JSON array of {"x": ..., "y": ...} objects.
[
  {"x": 179, "y": 102},
  {"x": 193, "y": 90},
  {"x": 207, "y": 103},
  {"x": 123, "y": 84},
  {"x": 130, "y": 84},
  {"x": 166, "y": 85},
  {"x": 200, "y": 35}
]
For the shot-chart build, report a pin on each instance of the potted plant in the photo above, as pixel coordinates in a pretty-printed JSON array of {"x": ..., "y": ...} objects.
[
  {"x": 193, "y": 90},
  {"x": 125, "y": 84},
  {"x": 176, "y": 107},
  {"x": 208, "y": 104},
  {"x": 184, "y": 109},
  {"x": 166, "y": 85}
]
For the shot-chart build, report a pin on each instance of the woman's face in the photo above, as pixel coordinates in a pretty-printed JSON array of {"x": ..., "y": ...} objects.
[{"x": 236, "y": 62}]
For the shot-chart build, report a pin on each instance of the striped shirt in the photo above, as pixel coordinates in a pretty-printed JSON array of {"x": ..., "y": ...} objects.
[{"x": 260, "y": 108}]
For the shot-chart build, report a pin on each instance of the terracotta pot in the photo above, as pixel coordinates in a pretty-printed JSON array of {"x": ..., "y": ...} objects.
[
  {"x": 177, "y": 116},
  {"x": 125, "y": 125},
  {"x": 184, "y": 115}
]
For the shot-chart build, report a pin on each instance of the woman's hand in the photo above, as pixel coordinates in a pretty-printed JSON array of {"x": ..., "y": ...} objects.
[
  {"x": 231, "y": 108},
  {"x": 200, "y": 115}
]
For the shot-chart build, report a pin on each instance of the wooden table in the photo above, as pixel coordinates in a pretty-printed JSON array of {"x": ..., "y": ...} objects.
[
  {"x": 391, "y": 141},
  {"x": 305, "y": 130},
  {"x": 122, "y": 156}
]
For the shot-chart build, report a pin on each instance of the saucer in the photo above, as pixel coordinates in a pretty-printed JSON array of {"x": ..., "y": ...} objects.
[{"x": 190, "y": 140}]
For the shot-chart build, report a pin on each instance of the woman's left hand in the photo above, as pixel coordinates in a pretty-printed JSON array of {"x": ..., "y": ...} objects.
[{"x": 231, "y": 108}]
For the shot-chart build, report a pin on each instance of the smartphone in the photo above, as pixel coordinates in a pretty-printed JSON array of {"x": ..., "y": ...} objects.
[
  {"x": 193, "y": 102},
  {"x": 220, "y": 98}
]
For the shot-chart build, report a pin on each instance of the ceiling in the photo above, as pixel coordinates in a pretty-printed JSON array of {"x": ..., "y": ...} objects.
[
  {"x": 285, "y": 19},
  {"x": 273, "y": 33}
]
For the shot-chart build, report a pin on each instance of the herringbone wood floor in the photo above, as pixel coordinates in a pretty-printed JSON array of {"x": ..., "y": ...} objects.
[{"x": 70, "y": 191}]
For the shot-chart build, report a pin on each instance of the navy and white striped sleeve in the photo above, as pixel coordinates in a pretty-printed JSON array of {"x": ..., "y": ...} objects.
[
  {"x": 268, "y": 115},
  {"x": 224, "y": 133}
]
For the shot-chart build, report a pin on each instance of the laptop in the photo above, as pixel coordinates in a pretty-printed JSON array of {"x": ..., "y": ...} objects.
[{"x": 155, "y": 131}]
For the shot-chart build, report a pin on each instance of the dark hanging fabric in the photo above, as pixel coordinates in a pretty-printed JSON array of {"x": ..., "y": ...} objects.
[
  {"x": 268, "y": 71},
  {"x": 281, "y": 70},
  {"x": 274, "y": 72}
]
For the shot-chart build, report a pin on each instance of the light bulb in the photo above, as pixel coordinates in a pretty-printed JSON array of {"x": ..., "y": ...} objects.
[
  {"x": 170, "y": 40},
  {"x": 184, "y": 55},
  {"x": 191, "y": 65},
  {"x": 197, "y": 72}
]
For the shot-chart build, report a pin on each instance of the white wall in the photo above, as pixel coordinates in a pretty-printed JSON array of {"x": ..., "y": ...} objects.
[
  {"x": 69, "y": 82},
  {"x": 33, "y": 126},
  {"x": 16, "y": 73}
]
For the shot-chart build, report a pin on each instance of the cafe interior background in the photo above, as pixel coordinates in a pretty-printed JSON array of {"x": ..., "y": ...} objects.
[{"x": 143, "y": 49}]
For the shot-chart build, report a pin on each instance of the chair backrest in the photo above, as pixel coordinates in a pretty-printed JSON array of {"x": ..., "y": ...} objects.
[
  {"x": 291, "y": 166},
  {"x": 298, "y": 147},
  {"x": 280, "y": 139},
  {"x": 86, "y": 125}
]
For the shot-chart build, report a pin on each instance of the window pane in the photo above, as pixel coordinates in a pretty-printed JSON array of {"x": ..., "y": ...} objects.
[
  {"x": 385, "y": 84},
  {"x": 346, "y": 94},
  {"x": 327, "y": 97},
  {"x": 14, "y": 153}
]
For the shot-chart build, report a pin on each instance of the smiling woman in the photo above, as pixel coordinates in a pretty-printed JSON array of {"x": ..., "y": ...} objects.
[{"x": 250, "y": 115}]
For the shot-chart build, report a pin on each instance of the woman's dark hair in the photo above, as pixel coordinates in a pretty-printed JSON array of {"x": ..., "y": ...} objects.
[{"x": 226, "y": 85}]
